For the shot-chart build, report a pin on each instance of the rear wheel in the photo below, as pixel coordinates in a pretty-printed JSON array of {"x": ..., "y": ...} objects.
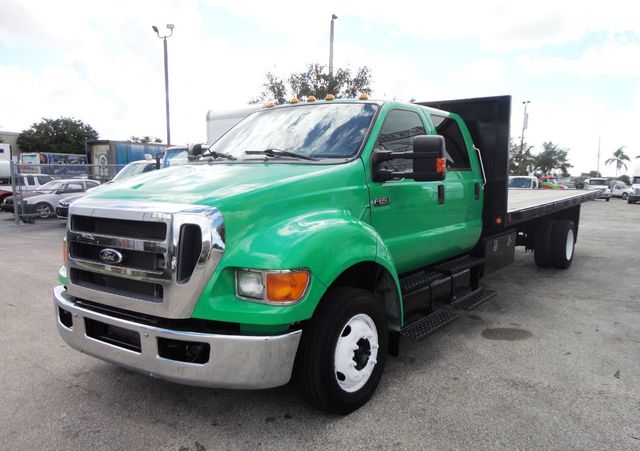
[
  {"x": 343, "y": 351},
  {"x": 624, "y": 196},
  {"x": 542, "y": 244},
  {"x": 563, "y": 241},
  {"x": 608, "y": 199}
]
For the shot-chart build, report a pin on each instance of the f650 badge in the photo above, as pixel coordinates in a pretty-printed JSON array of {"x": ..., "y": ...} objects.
[{"x": 110, "y": 256}]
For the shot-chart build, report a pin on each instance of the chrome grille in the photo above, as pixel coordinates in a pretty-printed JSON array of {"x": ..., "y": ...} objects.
[
  {"x": 637, "y": 191},
  {"x": 147, "y": 277}
]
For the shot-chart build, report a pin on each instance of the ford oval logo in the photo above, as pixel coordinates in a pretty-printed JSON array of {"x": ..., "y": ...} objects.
[{"x": 110, "y": 256}]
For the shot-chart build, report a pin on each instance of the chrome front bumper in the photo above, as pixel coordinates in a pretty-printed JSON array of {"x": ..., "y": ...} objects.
[{"x": 235, "y": 361}]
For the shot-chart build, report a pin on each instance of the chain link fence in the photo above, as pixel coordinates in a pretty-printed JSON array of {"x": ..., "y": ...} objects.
[{"x": 44, "y": 191}]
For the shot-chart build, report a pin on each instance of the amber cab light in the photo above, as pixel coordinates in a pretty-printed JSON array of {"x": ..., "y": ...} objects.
[{"x": 286, "y": 287}]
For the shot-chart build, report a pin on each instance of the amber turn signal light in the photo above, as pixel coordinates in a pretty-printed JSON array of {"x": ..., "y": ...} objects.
[
  {"x": 286, "y": 286},
  {"x": 64, "y": 253}
]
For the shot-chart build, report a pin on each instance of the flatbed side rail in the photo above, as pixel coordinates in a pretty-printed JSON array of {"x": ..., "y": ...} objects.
[{"x": 547, "y": 207}]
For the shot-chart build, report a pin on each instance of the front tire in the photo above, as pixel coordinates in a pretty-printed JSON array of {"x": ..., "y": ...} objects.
[
  {"x": 343, "y": 351},
  {"x": 44, "y": 210}
]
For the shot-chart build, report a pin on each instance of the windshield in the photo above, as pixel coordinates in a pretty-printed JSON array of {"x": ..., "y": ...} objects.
[
  {"x": 635, "y": 181},
  {"x": 520, "y": 182},
  {"x": 598, "y": 182},
  {"x": 317, "y": 130},
  {"x": 51, "y": 186},
  {"x": 134, "y": 169}
]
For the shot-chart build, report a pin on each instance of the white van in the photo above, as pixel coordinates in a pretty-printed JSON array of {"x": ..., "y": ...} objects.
[{"x": 523, "y": 182}]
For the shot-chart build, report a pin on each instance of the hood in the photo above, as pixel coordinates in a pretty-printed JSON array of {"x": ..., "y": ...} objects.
[{"x": 219, "y": 183}]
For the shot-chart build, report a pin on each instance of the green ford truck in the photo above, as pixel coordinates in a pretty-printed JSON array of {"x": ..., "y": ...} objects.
[{"x": 304, "y": 243}]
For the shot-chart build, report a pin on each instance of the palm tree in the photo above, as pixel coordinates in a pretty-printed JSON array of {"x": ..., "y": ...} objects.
[{"x": 619, "y": 158}]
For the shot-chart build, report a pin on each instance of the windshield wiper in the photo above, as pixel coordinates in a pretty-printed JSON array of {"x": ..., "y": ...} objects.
[
  {"x": 279, "y": 153},
  {"x": 214, "y": 154}
]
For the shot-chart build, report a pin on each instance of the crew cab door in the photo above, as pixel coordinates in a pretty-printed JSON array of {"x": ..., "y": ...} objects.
[
  {"x": 464, "y": 184},
  {"x": 408, "y": 215}
]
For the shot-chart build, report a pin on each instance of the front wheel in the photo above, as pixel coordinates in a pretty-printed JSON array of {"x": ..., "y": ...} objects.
[
  {"x": 608, "y": 199},
  {"x": 343, "y": 351},
  {"x": 44, "y": 210}
]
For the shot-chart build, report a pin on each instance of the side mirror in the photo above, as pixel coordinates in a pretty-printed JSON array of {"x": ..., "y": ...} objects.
[
  {"x": 195, "y": 150},
  {"x": 429, "y": 163}
]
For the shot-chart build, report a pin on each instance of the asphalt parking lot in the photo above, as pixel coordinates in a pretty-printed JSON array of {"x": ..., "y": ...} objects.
[{"x": 553, "y": 362}]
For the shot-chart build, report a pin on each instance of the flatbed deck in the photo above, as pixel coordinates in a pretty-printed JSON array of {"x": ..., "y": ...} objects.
[{"x": 525, "y": 204}]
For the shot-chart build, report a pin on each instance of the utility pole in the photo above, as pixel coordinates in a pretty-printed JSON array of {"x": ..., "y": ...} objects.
[
  {"x": 333, "y": 18},
  {"x": 166, "y": 74},
  {"x": 525, "y": 120}
]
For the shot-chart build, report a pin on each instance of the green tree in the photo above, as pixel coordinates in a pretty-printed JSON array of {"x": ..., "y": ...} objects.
[
  {"x": 315, "y": 81},
  {"x": 63, "y": 135},
  {"x": 552, "y": 157},
  {"x": 520, "y": 158},
  {"x": 145, "y": 139},
  {"x": 625, "y": 179},
  {"x": 619, "y": 158}
]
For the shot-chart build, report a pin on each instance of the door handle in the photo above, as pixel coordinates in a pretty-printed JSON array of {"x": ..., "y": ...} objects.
[
  {"x": 440, "y": 194},
  {"x": 476, "y": 189}
]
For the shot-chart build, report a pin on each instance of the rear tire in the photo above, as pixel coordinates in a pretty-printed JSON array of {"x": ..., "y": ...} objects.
[
  {"x": 542, "y": 244},
  {"x": 343, "y": 351},
  {"x": 624, "y": 196},
  {"x": 563, "y": 242},
  {"x": 608, "y": 199}
]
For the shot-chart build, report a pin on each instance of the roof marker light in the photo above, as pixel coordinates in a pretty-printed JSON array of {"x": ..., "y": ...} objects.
[
  {"x": 363, "y": 96},
  {"x": 270, "y": 104},
  {"x": 311, "y": 98},
  {"x": 294, "y": 100},
  {"x": 330, "y": 97}
]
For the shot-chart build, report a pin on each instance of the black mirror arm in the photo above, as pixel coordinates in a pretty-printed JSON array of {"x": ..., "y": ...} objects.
[
  {"x": 386, "y": 155},
  {"x": 385, "y": 175}
]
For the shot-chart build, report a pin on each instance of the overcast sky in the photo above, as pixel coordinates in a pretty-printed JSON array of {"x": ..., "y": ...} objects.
[{"x": 577, "y": 62}]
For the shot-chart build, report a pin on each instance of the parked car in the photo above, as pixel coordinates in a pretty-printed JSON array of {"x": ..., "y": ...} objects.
[
  {"x": 41, "y": 203},
  {"x": 600, "y": 185},
  {"x": 62, "y": 210},
  {"x": 26, "y": 182},
  {"x": 620, "y": 189},
  {"x": 130, "y": 170},
  {"x": 548, "y": 182},
  {"x": 523, "y": 182},
  {"x": 134, "y": 168}
]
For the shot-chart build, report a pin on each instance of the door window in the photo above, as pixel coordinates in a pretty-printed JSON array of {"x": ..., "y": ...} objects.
[
  {"x": 455, "y": 148},
  {"x": 399, "y": 129}
]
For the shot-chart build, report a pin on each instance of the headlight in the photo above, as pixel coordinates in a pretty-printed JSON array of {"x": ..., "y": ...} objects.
[
  {"x": 272, "y": 287},
  {"x": 250, "y": 284}
]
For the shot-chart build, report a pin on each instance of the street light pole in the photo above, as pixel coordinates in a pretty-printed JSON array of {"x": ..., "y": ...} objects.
[
  {"x": 333, "y": 18},
  {"x": 166, "y": 74},
  {"x": 525, "y": 120}
]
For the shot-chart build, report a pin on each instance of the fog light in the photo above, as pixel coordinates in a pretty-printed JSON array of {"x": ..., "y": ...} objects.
[{"x": 250, "y": 284}]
